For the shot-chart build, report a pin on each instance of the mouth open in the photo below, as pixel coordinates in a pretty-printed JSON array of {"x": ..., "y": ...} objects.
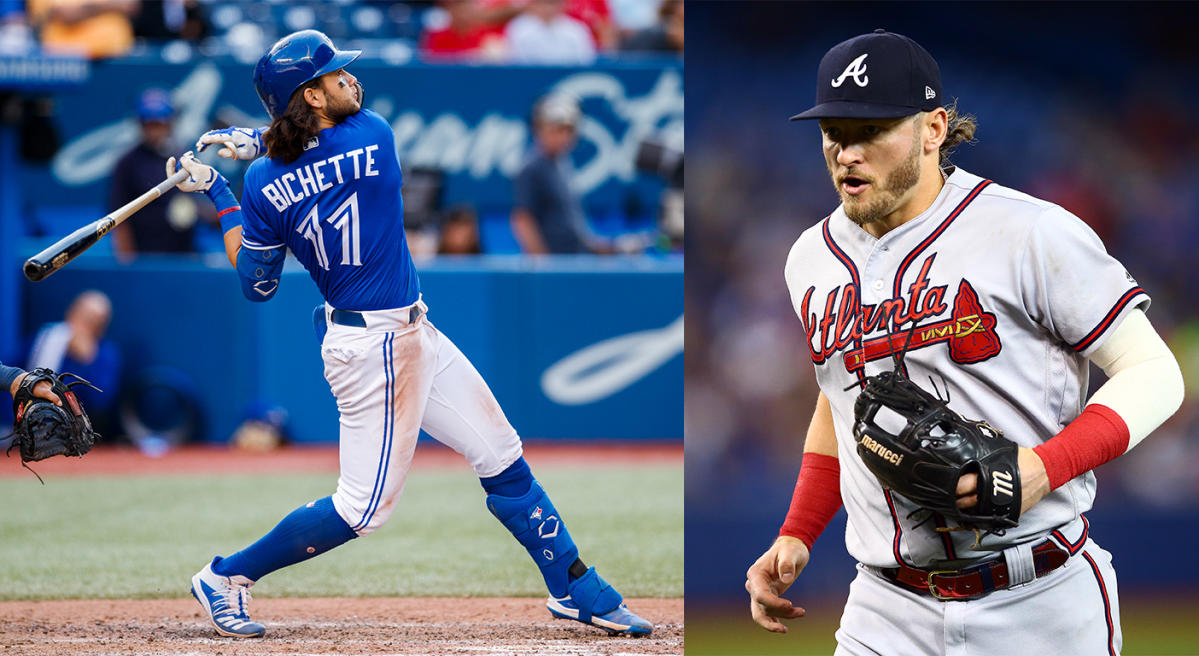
[{"x": 853, "y": 185}]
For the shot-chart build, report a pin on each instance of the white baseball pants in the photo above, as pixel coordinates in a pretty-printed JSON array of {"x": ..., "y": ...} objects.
[{"x": 392, "y": 379}]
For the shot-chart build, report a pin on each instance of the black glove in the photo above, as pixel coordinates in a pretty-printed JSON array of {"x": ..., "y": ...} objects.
[
  {"x": 925, "y": 459},
  {"x": 43, "y": 429}
]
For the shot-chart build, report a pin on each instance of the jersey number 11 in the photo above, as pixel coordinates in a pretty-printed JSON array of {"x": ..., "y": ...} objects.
[{"x": 344, "y": 219}]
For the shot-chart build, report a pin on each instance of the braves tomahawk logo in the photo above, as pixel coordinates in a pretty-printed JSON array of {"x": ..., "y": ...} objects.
[
  {"x": 856, "y": 68},
  {"x": 969, "y": 330}
]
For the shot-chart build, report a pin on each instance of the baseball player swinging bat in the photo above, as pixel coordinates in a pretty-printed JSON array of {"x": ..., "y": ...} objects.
[{"x": 66, "y": 249}]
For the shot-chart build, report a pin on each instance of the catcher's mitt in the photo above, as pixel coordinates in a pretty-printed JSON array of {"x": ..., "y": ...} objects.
[
  {"x": 44, "y": 430},
  {"x": 924, "y": 459}
]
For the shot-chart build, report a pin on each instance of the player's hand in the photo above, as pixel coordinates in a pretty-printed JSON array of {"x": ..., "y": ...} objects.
[
  {"x": 238, "y": 143},
  {"x": 42, "y": 390},
  {"x": 769, "y": 577},
  {"x": 1034, "y": 482},
  {"x": 202, "y": 175}
]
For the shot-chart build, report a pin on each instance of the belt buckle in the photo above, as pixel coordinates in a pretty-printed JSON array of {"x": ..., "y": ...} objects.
[{"x": 932, "y": 587}]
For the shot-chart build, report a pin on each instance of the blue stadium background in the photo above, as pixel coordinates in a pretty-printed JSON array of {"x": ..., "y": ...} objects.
[
  {"x": 1091, "y": 105},
  {"x": 611, "y": 325}
]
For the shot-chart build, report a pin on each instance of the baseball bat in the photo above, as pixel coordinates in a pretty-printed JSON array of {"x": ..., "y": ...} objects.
[{"x": 66, "y": 249}]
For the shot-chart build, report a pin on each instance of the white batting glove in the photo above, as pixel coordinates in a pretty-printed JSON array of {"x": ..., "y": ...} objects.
[
  {"x": 238, "y": 143},
  {"x": 201, "y": 175}
]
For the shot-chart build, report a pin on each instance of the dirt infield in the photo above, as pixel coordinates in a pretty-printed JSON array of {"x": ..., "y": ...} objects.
[
  {"x": 407, "y": 627},
  {"x": 128, "y": 461}
]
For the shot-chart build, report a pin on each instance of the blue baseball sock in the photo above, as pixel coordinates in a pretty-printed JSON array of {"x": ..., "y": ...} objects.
[
  {"x": 523, "y": 507},
  {"x": 514, "y": 481},
  {"x": 310, "y": 530}
]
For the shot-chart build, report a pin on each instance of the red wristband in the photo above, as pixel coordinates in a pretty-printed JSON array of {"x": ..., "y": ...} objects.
[
  {"x": 1097, "y": 436},
  {"x": 816, "y": 499}
]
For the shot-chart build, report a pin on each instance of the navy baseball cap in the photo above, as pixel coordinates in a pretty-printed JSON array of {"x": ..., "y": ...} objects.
[{"x": 876, "y": 75}]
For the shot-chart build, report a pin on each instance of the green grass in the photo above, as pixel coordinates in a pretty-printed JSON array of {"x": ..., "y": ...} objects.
[
  {"x": 1151, "y": 627},
  {"x": 143, "y": 537}
]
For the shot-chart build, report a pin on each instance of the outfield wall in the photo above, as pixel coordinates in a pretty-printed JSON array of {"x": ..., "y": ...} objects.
[{"x": 574, "y": 348}]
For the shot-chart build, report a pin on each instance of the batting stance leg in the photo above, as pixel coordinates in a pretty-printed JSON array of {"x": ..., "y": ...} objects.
[
  {"x": 381, "y": 380},
  {"x": 463, "y": 414}
]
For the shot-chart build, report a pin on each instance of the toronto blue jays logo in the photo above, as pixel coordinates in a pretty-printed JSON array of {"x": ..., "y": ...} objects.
[{"x": 969, "y": 329}]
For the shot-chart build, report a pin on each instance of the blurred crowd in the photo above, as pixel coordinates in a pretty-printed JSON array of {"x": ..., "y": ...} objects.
[
  {"x": 476, "y": 31},
  {"x": 549, "y": 215},
  {"x": 1115, "y": 144}
]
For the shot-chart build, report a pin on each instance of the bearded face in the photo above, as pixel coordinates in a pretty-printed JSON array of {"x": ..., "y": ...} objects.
[
  {"x": 873, "y": 163},
  {"x": 343, "y": 95}
]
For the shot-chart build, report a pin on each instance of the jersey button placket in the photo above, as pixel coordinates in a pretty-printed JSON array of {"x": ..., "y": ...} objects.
[{"x": 873, "y": 278}]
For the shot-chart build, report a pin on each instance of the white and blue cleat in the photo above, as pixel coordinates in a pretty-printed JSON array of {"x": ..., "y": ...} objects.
[
  {"x": 226, "y": 599},
  {"x": 592, "y": 601}
]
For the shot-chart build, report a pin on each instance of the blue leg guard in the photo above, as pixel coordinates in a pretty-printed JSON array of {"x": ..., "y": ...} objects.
[
  {"x": 537, "y": 526},
  {"x": 592, "y": 601},
  {"x": 593, "y": 595}
]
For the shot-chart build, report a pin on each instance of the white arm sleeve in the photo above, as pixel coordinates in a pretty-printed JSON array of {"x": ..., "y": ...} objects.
[{"x": 1144, "y": 383}]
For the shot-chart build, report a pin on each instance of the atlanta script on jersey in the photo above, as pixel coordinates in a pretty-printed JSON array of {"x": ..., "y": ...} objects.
[{"x": 1009, "y": 294}]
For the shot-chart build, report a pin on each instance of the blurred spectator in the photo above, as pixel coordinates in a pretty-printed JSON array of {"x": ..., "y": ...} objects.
[
  {"x": 96, "y": 29},
  {"x": 598, "y": 19},
  {"x": 460, "y": 232},
  {"x": 469, "y": 32},
  {"x": 544, "y": 34},
  {"x": 168, "y": 224},
  {"x": 15, "y": 36},
  {"x": 171, "y": 19},
  {"x": 628, "y": 16},
  {"x": 77, "y": 345},
  {"x": 547, "y": 215},
  {"x": 666, "y": 36}
]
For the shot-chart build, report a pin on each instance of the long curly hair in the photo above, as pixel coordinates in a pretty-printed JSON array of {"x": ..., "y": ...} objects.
[
  {"x": 291, "y": 130},
  {"x": 961, "y": 130}
]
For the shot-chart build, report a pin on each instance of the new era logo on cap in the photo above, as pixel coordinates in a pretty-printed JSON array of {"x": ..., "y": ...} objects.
[{"x": 876, "y": 75}]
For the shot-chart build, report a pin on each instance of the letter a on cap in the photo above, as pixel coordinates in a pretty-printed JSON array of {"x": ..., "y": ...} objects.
[{"x": 856, "y": 67}]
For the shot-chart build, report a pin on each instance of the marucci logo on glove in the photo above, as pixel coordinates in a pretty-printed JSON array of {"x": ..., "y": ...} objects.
[
  {"x": 881, "y": 451},
  {"x": 923, "y": 458}
]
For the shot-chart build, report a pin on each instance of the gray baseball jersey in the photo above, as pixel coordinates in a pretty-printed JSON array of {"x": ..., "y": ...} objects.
[{"x": 1009, "y": 293}]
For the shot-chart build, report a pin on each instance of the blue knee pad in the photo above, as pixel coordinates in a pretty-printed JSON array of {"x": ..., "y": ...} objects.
[{"x": 537, "y": 526}]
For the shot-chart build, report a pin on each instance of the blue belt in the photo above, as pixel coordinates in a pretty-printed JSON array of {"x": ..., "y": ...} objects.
[
  {"x": 348, "y": 318},
  {"x": 355, "y": 319}
]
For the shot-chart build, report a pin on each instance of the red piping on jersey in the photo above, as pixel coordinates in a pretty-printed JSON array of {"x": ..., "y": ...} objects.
[
  {"x": 1107, "y": 605},
  {"x": 907, "y": 261},
  {"x": 235, "y": 208},
  {"x": 898, "y": 529},
  {"x": 949, "y": 552},
  {"x": 1075, "y": 546},
  {"x": 1085, "y": 342},
  {"x": 911, "y": 257},
  {"x": 853, "y": 273}
]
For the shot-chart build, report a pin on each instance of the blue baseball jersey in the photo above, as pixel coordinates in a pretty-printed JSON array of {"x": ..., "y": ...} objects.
[{"x": 338, "y": 209}]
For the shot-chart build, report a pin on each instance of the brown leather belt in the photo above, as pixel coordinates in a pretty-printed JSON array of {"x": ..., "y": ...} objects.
[{"x": 974, "y": 581}]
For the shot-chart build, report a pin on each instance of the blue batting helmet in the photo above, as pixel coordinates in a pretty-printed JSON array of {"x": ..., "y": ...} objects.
[
  {"x": 154, "y": 105},
  {"x": 295, "y": 59}
]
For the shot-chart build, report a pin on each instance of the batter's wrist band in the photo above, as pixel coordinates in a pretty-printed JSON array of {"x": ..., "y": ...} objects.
[
  {"x": 816, "y": 499},
  {"x": 1097, "y": 436},
  {"x": 228, "y": 211}
]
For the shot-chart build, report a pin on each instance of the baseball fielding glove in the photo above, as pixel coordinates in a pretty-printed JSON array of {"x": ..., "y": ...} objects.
[
  {"x": 44, "y": 430},
  {"x": 924, "y": 458}
]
